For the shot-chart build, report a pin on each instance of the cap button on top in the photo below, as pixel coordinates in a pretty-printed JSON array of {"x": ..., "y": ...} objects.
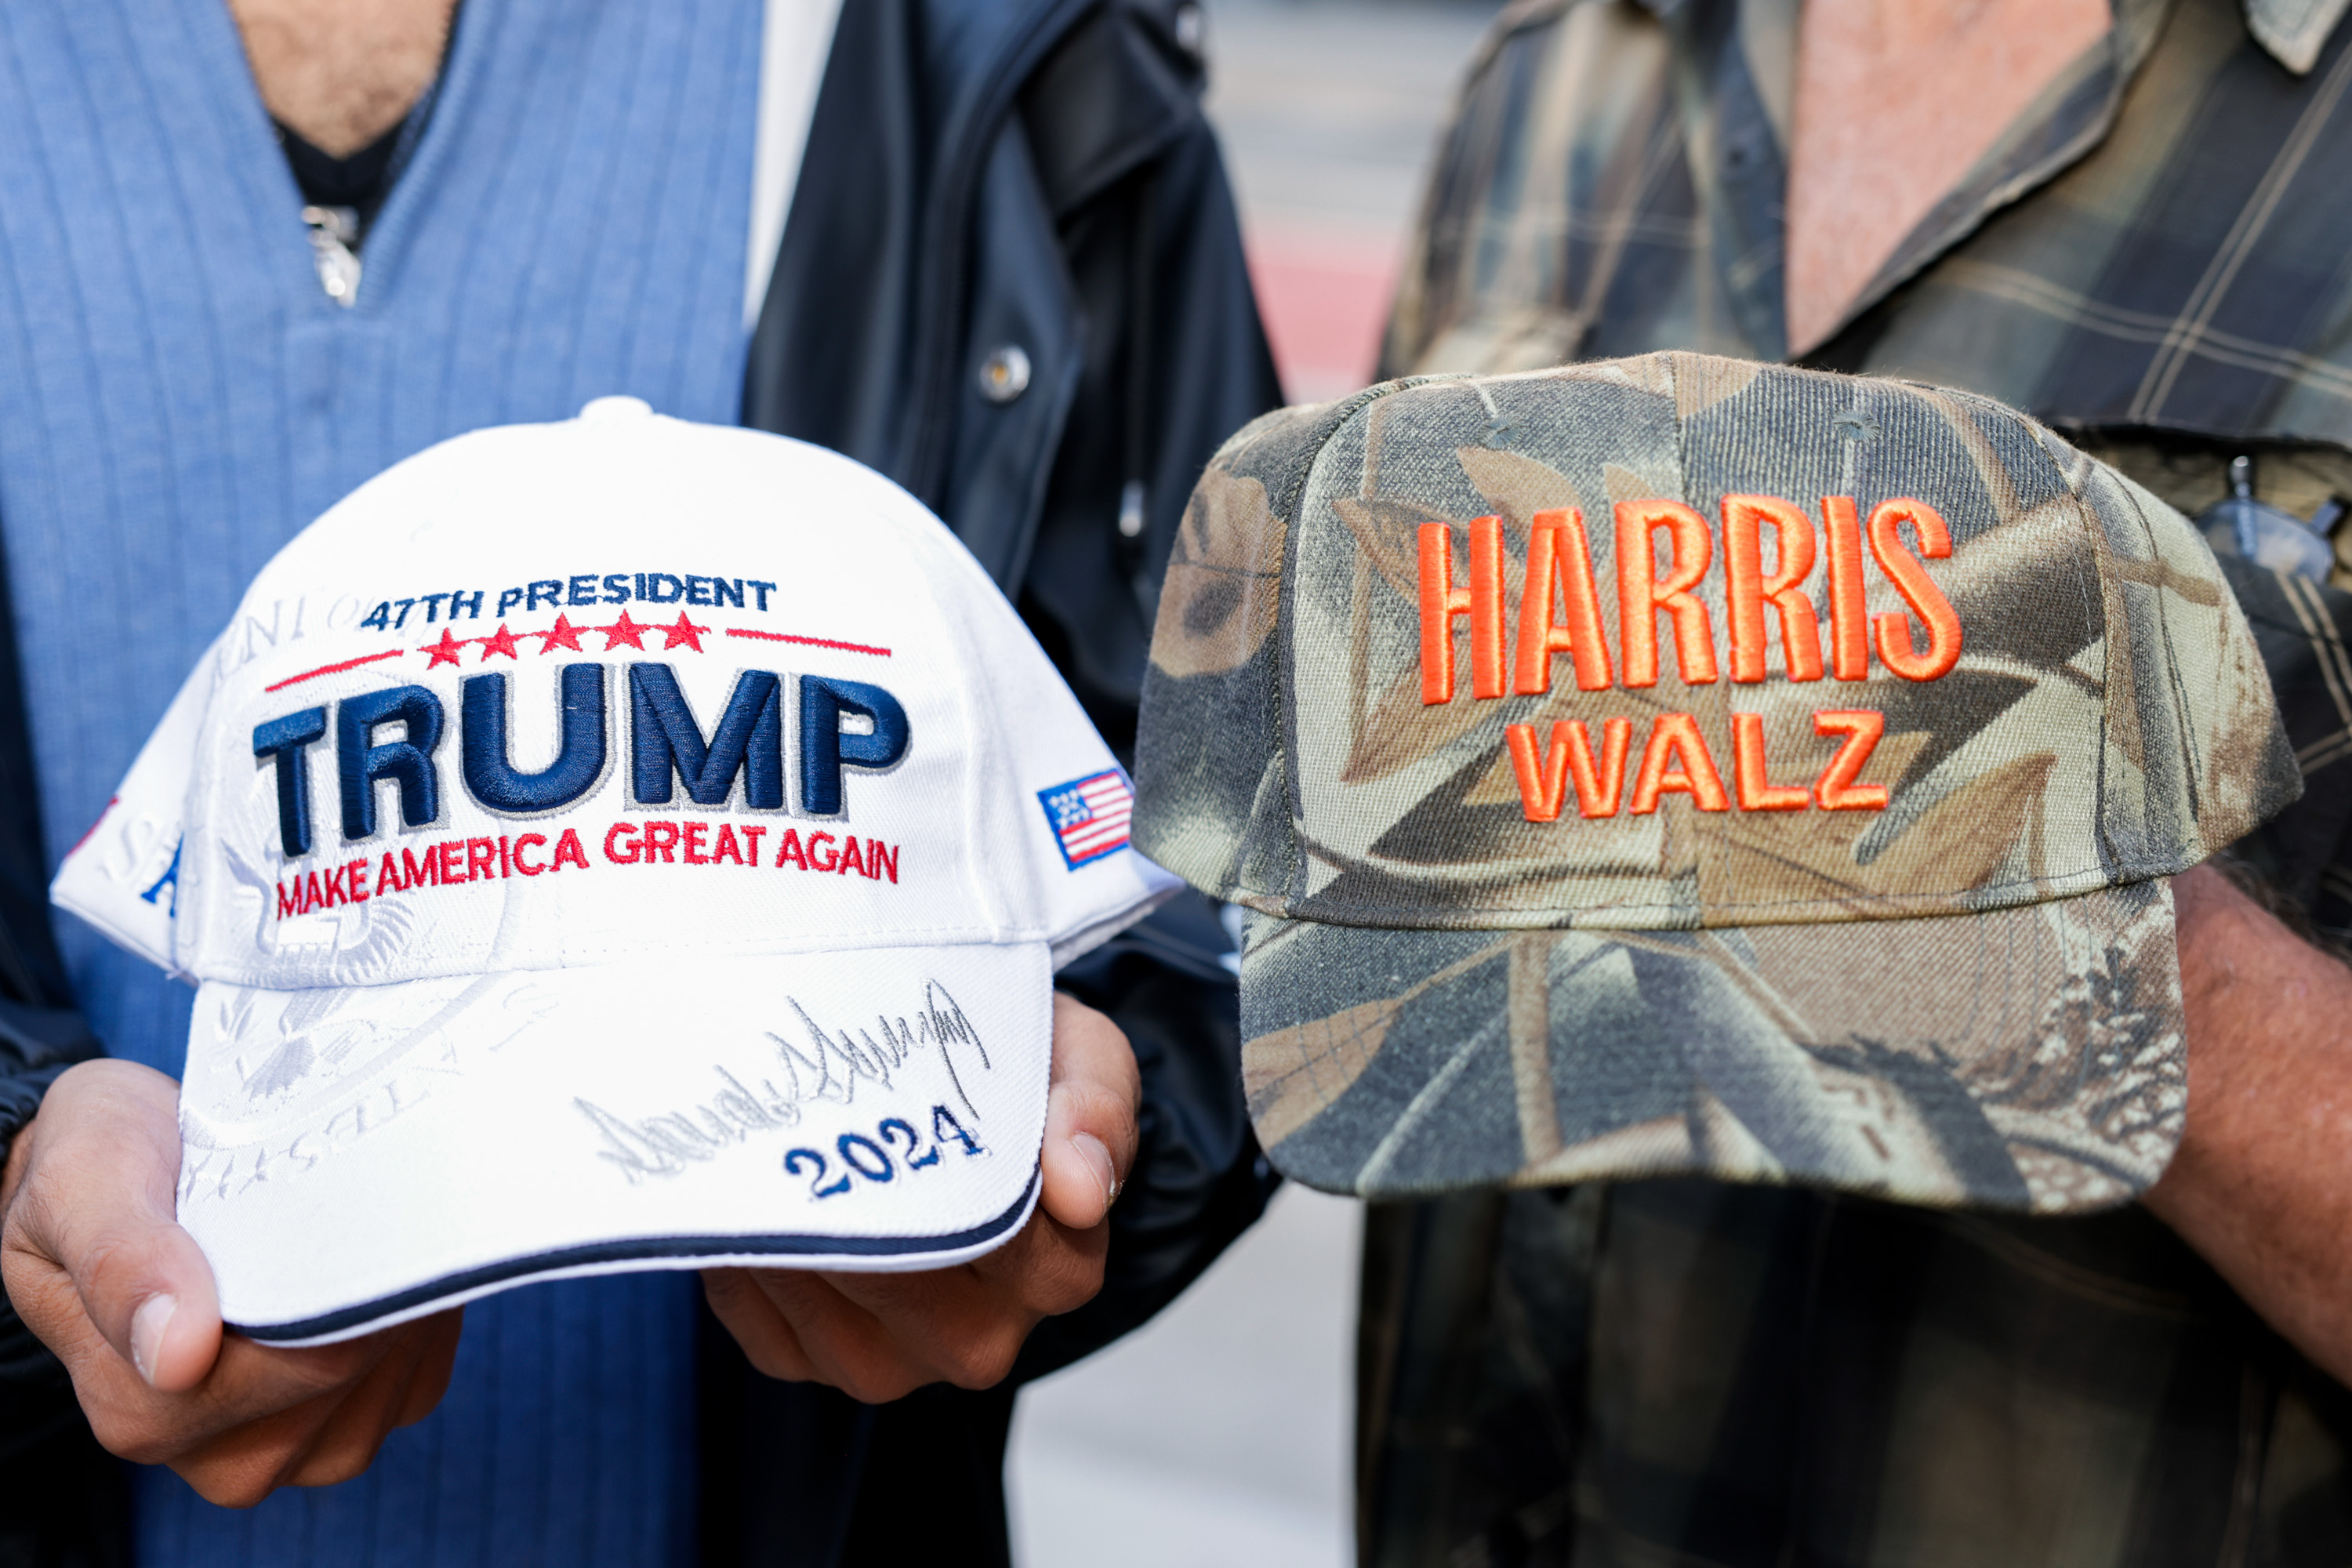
[
  {"x": 600, "y": 410},
  {"x": 1004, "y": 373}
]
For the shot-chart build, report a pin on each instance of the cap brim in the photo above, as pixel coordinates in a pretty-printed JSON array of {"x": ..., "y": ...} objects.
[
  {"x": 364, "y": 1155},
  {"x": 2025, "y": 1058}
]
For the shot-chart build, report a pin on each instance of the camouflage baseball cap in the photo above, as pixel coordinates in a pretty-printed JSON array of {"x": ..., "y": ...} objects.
[{"x": 1678, "y": 764}]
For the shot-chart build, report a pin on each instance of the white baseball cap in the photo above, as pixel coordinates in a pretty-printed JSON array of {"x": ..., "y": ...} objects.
[{"x": 611, "y": 845}]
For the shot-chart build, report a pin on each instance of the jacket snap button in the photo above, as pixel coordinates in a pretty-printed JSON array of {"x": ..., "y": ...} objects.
[{"x": 1004, "y": 373}]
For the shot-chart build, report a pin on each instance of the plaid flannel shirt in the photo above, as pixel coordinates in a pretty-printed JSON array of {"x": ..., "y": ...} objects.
[{"x": 2155, "y": 258}]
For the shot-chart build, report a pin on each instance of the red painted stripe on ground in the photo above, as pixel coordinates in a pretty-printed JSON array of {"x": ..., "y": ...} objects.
[{"x": 1325, "y": 300}]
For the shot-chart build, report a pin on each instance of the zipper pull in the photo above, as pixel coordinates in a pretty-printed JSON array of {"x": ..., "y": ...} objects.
[{"x": 333, "y": 232}]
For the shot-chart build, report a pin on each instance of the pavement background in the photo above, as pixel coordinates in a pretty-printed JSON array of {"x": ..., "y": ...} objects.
[
  {"x": 1330, "y": 110},
  {"x": 1219, "y": 1433}
]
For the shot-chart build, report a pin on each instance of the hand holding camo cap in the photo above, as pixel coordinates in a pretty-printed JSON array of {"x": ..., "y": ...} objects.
[{"x": 1679, "y": 765}]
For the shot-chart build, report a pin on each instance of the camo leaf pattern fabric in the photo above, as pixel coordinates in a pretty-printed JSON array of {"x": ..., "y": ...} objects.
[{"x": 1967, "y": 994}]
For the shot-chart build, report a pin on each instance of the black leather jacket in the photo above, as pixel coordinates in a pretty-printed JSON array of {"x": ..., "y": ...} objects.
[{"x": 1012, "y": 282}]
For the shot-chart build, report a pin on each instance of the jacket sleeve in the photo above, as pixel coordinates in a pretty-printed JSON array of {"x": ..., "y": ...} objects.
[
  {"x": 37, "y": 1044},
  {"x": 40, "y": 1036},
  {"x": 1173, "y": 360},
  {"x": 36, "y": 1403}
]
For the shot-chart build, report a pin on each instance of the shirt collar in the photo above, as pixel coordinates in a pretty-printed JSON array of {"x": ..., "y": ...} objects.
[{"x": 2292, "y": 31}]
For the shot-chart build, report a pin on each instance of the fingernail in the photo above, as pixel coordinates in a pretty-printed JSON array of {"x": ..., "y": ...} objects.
[
  {"x": 1092, "y": 1150},
  {"x": 147, "y": 1326}
]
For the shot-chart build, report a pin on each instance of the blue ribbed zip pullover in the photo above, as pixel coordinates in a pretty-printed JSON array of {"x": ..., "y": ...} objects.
[{"x": 178, "y": 397}]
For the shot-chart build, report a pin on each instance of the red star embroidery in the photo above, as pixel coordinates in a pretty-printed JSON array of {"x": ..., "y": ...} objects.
[
  {"x": 562, "y": 634},
  {"x": 684, "y": 631},
  {"x": 624, "y": 630},
  {"x": 445, "y": 650},
  {"x": 500, "y": 641}
]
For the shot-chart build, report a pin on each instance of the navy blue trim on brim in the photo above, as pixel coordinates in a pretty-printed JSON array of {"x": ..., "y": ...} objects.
[{"x": 714, "y": 1246}]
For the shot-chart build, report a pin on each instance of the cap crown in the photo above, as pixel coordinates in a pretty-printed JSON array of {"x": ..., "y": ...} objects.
[
  {"x": 1894, "y": 650},
  {"x": 551, "y": 696}
]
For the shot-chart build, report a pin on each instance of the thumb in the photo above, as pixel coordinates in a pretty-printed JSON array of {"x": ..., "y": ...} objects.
[
  {"x": 96, "y": 1200},
  {"x": 1090, "y": 1116}
]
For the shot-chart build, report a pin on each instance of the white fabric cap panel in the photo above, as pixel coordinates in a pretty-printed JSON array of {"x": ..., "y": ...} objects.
[
  {"x": 852, "y": 1111},
  {"x": 551, "y": 725},
  {"x": 965, "y": 849},
  {"x": 123, "y": 876}
]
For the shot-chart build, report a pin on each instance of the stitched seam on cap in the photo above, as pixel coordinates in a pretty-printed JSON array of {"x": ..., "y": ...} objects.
[
  {"x": 1290, "y": 508},
  {"x": 2085, "y": 519},
  {"x": 2138, "y": 873},
  {"x": 2050, "y": 891}
]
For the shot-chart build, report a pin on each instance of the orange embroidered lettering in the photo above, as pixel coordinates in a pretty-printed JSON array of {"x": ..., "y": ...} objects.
[
  {"x": 1676, "y": 762},
  {"x": 1556, "y": 554},
  {"x": 1543, "y": 783},
  {"x": 1750, "y": 775},
  {"x": 1641, "y": 594},
  {"x": 1849, "y": 607},
  {"x": 1836, "y": 790},
  {"x": 1440, "y": 601},
  {"x": 1746, "y": 592},
  {"x": 1910, "y": 579}
]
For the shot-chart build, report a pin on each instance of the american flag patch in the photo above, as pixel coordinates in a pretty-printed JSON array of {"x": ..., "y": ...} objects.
[{"x": 1088, "y": 816}]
